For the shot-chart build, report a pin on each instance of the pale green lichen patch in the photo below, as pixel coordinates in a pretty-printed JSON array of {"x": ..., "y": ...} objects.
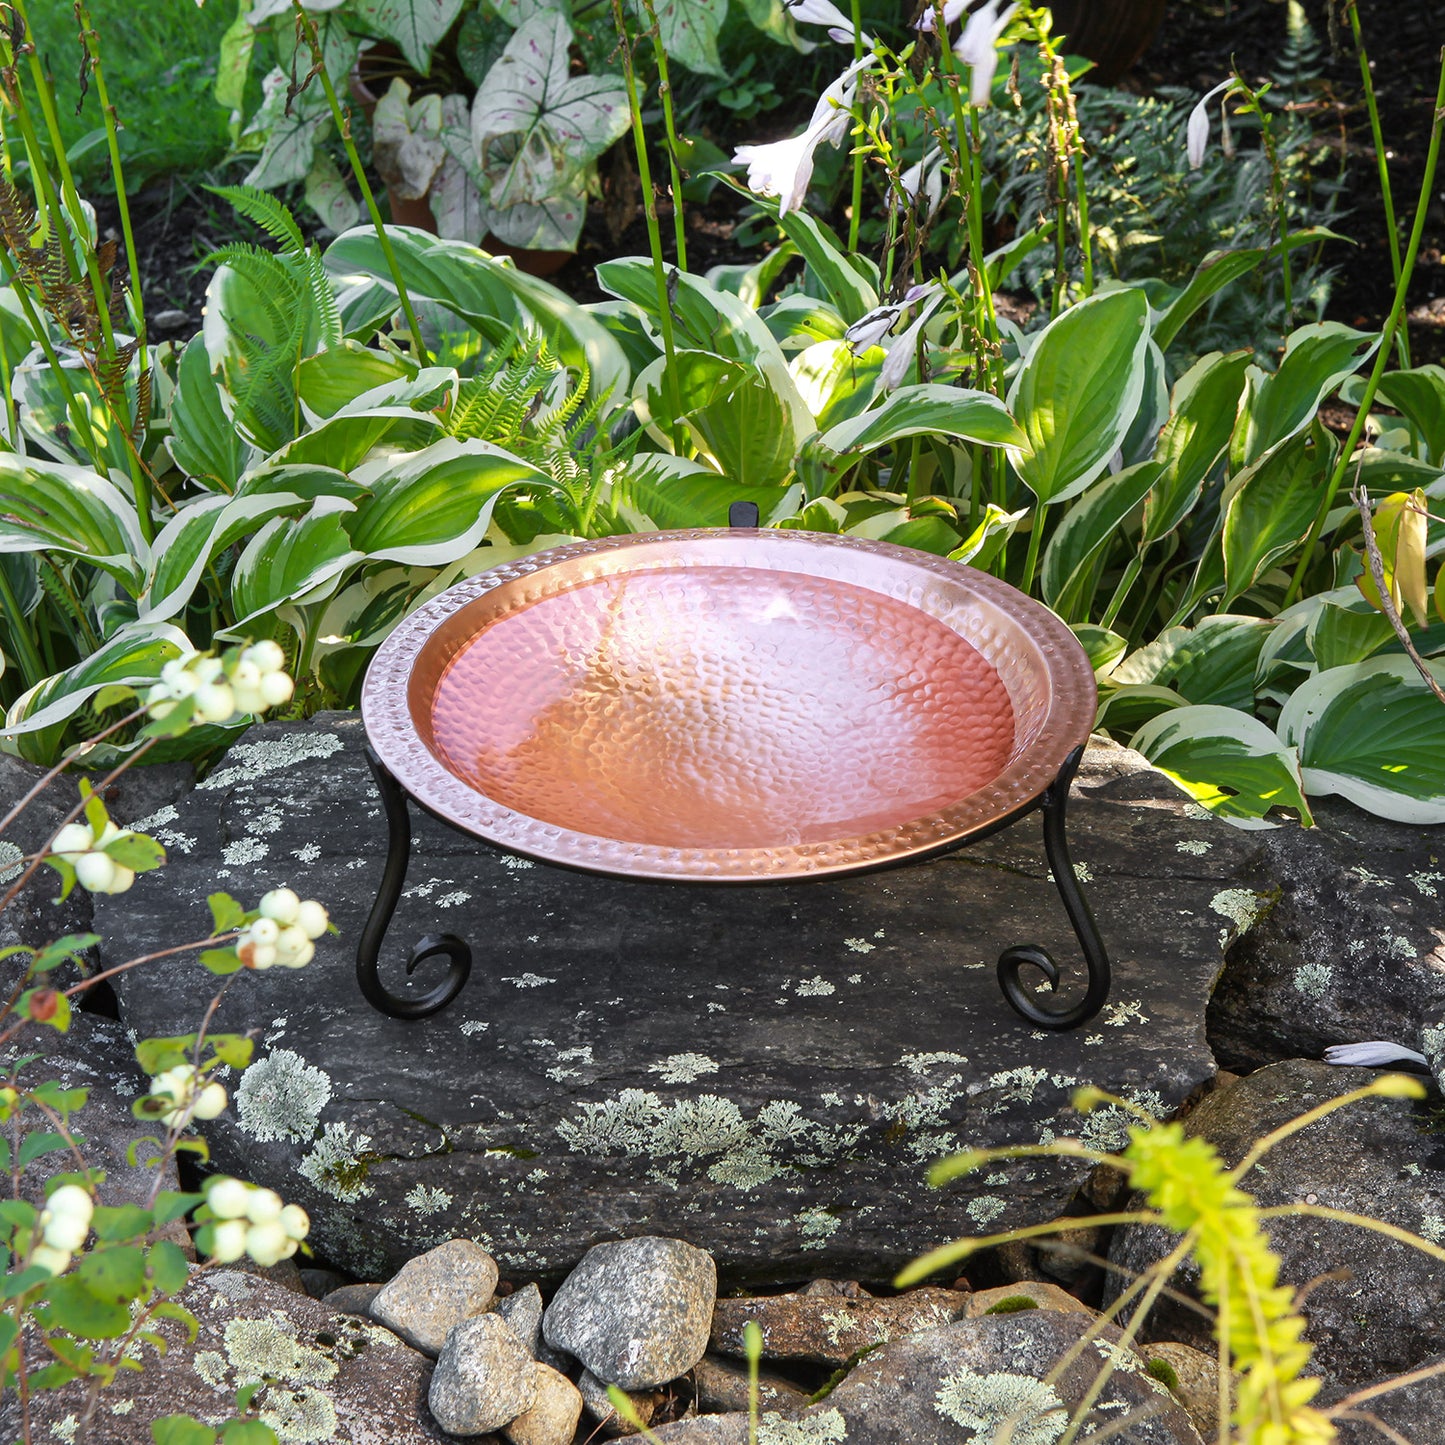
[
  {"x": 338, "y": 1163},
  {"x": 243, "y": 851},
  {"x": 816, "y": 987},
  {"x": 1313, "y": 979},
  {"x": 859, "y": 945},
  {"x": 1432, "y": 1227},
  {"x": 1241, "y": 906},
  {"x": 1125, "y": 1011},
  {"x": 281, "y": 1097},
  {"x": 817, "y": 1226},
  {"x": 1196, "y": 846},
  {"x": 1424, "y": 882},
  {"x": 985, "y": 1209},
  {"x": 292, "y": 1401},
  {"x": 1003, "y": 1406},
  {"x": 680, "y": 1068},
  {"x": 268, "y": 1348},
  {"x": 210, "y": 1365},
  {"x": 826, "y": 1428},
  {"x": 65, "y": 1429},
  {"x": 122, "y": 1407},
  {"x": 1107, "y": 1128},
  {"x": 11, "y": 865},
  {"x": 248, "y": 762},
  {"x": 921, "y": 1063},
  {"x": 428, "y": 1199}
]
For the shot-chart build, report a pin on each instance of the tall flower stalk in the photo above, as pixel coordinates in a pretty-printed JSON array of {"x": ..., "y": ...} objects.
[{"x": 664, "y": 91}]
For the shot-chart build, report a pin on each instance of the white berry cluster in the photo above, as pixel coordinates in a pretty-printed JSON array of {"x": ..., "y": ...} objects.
[
  {"x": 285, "y": 933},
  {"x": 64, "y": 1226},
  {"x": 255, "y": 681},
  {"x": 79, "y": 845},
  {"x": 253, "y": 1221},
  {"x": 192, "y": 1094}
]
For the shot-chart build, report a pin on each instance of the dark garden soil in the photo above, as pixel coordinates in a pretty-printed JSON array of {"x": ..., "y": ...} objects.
[{"x": 178, "y": 223}]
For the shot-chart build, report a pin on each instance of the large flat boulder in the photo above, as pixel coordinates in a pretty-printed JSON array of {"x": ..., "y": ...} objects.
[{"x": 767, "y": 1072}]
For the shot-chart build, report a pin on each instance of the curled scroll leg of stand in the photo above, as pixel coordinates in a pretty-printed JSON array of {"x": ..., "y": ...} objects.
[
  {"x": 432, "y": 945},
  {"x": 1025, "y": 1001}
]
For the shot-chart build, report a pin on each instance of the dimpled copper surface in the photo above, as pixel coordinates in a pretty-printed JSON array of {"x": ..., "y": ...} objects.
[
  {"x": 728, "y": 705},
  {"x": 722, "y": 707}
]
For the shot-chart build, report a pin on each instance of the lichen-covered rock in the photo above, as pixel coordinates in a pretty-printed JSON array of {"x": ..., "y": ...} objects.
[
  {"x": 771, "y": 1070},
  {"x": 1351, "y": 950},
  {"x": 328, "y": 1377},
  {"x": 598, "y": 1404},
  {"x": 1379, "y": 1158},
  {"x": 436, "y": 1291},
  {"x": 829, "y": 1330},
  {"x": 1193, "y": 1378},
  {"x": 635, "y": 1311},
  {"x": 724, "y": 1386},
  {"x": 729, "y": 1429},
  {"x": 553, "y": 1418},
  {"x": 483, "y": 1379},
  {"x": 1008, "y": 1299}
]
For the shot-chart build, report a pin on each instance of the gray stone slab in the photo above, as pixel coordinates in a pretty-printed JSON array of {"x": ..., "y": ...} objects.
[{"x": 766, "y": 1072}]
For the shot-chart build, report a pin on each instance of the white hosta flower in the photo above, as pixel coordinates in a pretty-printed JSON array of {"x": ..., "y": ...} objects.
[
  {"x": 1196, "y": 135},
  {"x": 924, "y": 176},
  {"x": 824, "y": 12},
  {"x": 901, "y": 352},
  {"x": 785, "y": 168},
  {"x": 977, "y": 48},
  {"x": 869, "y": 330},
  {"x": 1376, "y": 1054},
  {"x": 952, "y": 9}
]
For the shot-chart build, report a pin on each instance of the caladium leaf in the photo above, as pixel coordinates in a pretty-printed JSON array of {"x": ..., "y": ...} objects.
[
  {"x": 688, "y": 30},
  {"x": 290, "y": 137},
  {"x": 328, "y": 195},
  {"x": 406, "y": 142},
  {"x": 417, "y": 26},
  {"x": 456, "y": 191},
  {"x": 535, "y": 125},
  {"x": 550, "y": 225}
]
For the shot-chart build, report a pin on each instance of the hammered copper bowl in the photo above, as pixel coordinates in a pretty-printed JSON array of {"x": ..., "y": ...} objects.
[{"x": 731, "y": 705}]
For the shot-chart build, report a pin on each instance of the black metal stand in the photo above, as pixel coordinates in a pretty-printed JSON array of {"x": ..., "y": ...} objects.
[
  {"x": 1056, "y": 847},
  {"x": 431, "y": 945},
  {"x": 1023, "y": 1000}
]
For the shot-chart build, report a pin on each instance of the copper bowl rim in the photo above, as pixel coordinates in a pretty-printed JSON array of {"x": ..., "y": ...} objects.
[{"x": 392, "y": 731}]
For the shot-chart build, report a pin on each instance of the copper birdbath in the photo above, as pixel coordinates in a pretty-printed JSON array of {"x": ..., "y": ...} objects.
[{"x": 729, "y": 706}]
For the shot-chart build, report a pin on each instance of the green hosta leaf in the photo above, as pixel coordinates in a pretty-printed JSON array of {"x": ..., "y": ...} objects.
[
  {"x": 1340, "y": 634},
  {"x": 345, "y": 439},
  {"x": 203, "y": 443},
  {"x": 490, "y": 294},
  {"x": 194, "y": 535},
  {"x": 1205, "y": 404},
  {"x": 433, "y": 507},
  {"x": 1078, "y": 391},
  {"x": 307, "y": 482},
  {"x": 732, "y": 411},
  {"x": 688, "y": 30},
  {"x": 1420, "y": 395},
  {"x": 1104, "y": 647},
  {"x": 985, "y": 545},
  {"x": 534, "y": 123},
  {"x": 1270, "y": 507},
  {"x": 667, "y": 492},
  {"x": 1227, "y": 761},
  {"x": 133, "y": 657},
  {"x": 1124, "y": 710},
  {"x": 1374, "y": 733},
  {"x": 1212, "y": 662},
  {"x": 799, "y": 321},
  {"x": 1077, "y": 550},
  {"x": 927, "y": 409},
  {"x": 834, "y": 384},
  {"x": 417, "y": 26},
  {"x": 1143, "y": 434},
  {"x": 54, "y": 507},
  {"x": 288, "y": 560},
  {"x": 332, "y": 380},
  {"x": 48, "y": 419},
  {"x": 1317, "y": 359}
]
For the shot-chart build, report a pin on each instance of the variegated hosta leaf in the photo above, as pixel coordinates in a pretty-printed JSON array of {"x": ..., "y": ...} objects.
[
  {"x": 688, "y": 30},
  {"x": 51, "y": 506},
  {"x": 328, "y": 196},
  {"x": 290, "y": 140},
  {"x": 46, "y": 419},
  {"x": 133, "y": 657},
  {"x": 406, "y": 141},
  {"x": 203, "y": 443},
  {"x": 290, "y": 561},
  {"x": 557, "y": 121},
  {"x": 417, "y": 26}
]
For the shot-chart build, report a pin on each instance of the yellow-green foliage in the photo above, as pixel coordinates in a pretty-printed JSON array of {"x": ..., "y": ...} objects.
[{"x": 1186, "y": 1181}]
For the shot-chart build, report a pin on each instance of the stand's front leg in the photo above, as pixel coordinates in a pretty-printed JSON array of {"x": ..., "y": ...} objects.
[
  {"x": 393, "y": 878},
  {"x": 1024, "y": 1000}
]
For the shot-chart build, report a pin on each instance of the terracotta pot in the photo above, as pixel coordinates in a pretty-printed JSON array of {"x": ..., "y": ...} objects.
[{"x": 1111, "y": 33}]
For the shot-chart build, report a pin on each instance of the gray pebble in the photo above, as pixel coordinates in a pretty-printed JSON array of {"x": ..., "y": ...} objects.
[
  {"x": 483, "y": 1379},
  {"x": 435, "y": 1291}
]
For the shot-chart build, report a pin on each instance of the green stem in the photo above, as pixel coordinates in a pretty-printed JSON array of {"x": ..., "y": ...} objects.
[
  {"x": 855, "y": 209},
  {"x": 1121, "y": 592},
  {"x": 654, "y": 234},
  {"x": 1387, "y": 341},
  {"x": 1036, "y": 535},
  {"x": 342, "y": 117},
  {"x": 1081, "y": 191},
  {"x": 22, "y": 643},
  {"x": 1383, "y": 165},
  {"x": 664, "y": 91}
]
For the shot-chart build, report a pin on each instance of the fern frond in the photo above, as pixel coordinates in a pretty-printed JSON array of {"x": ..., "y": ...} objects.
[
  {"x": 323, "y": 299},
  {"x": 262, "y": 209}
]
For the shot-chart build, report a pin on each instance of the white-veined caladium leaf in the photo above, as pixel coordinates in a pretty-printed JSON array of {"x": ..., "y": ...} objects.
[
  {"x": 550, "y": 225},
  {"x": 534, "y": 124},
  {"x": 290, "y": 140},
  {"x": 456, "y": 190},
  {"x": 329, "y": 197},
  {"x": 518, "y": 12},
  {"x": 417, "y": 26},
  {"x": 265, "y": 10},
  {"x": 406, "y": 140},
  {"x": 1374, "y": 733},
  {"x": 688, "y": 30}
]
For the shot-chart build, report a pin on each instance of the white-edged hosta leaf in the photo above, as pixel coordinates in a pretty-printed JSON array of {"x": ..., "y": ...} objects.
[
  {"x": 1078, "y": 391},
  {"x": 1347, "y": 631},
  {"x": 1103, "y": 646},
  {"x": 289, "y": 560},
  {"x": 417, "y": 26},
  {"x": 985, "y": 544},
  {"x": 333, "y": 380},
  {"x": 344, "y": 440},
  {"x": 1213, "y": 662},
  {"x": 1374, "y": 733},
  {"x": 1420, "y": 395},
  {"x": 52, "y": 506},
  {"x": 434, "y": 506},
  {"x": 834, "y": 383},
  {"x": 557, "y": 121},
  {"x": 132, "y": 658},
  {"x": 665, "y": 492},
  {"x": 1226, "y": 760},
  {"x": 1124, "y": 710},
  {"x": 928, "y": 408},
  {"x": 203, "y": 443},
  {"x": 309, "y": 481},
  {"x": 47, "y": 420}
]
